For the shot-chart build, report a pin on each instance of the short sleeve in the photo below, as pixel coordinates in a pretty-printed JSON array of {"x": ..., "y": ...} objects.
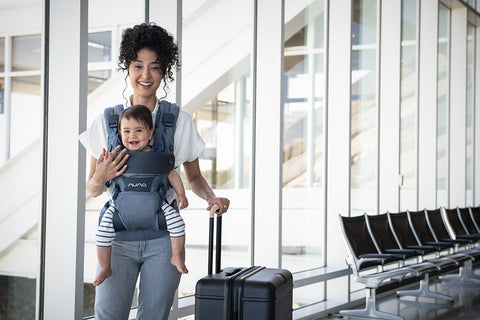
[
  {"x": 94, "y": 139},
  {"x": 188, "y": 145}
]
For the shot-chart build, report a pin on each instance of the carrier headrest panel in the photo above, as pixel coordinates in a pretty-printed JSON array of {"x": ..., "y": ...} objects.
[{"x": 152, "y": 162}]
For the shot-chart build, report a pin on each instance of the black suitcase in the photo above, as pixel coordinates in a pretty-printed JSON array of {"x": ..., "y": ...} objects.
[{"x": 253, "y": 293}]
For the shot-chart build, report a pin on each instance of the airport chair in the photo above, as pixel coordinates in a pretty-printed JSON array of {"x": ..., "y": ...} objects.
[
  {"x": 458, "y": 227},
  {"x": 363, "y": 256},
  {"x": 405, "y": 236},
  {"x": 438, "y": 227},
  {"x": 475, "y": 215},
  {"x": 385, "y": 240}
]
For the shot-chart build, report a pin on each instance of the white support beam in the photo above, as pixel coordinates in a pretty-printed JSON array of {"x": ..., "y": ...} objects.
[
  {"x": 458, "y": 98},
  {"x": 390, "y": 106},
  {"x": 427, "y": 105},
  {"x": 477, "y": 118},
  {"x": 338, "y": 137},
  {"x": 269, "y": 132},
  {"x": 338, "y": 131},
  {"x": 65, "y": 180},
  {"x": 6, "y": 118}
]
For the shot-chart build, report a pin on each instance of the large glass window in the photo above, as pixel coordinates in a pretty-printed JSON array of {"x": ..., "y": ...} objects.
[
  {"x": 364, "y": 107},
  {"x": 99, "y": 58},
  {"x": 408, "y": 105},
  {"x": 2, "y": 101},
  {"x": 26, "y": 53},
  {"x": 303, "y": 138},
  {"x": 25, "y": 100},
  {"x": 470, "y": 114},
  {"x": 20, "y": 210},
  {"x": 217, "y": 91},
  {"x": 303, "y": 207},
  {"x": 99, "y": 46},
  {"x": 2, "y": 54},
  {"x": 443, "y": 102}
]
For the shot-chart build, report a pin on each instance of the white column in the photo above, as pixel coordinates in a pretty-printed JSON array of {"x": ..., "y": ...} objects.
[
  {"x": 427, "y": 105},
  {"x": 458, "y": 98},
  {"x": 168, "y": 15},
  {"x": 65, "y": 180},
  {"x": 477, "y": 119},
  {"x": 390, "y": 106},
  {"x": 268, "y": 137},
  {"x": 5, "y": 118},
  {"x": 338, "y": 137}
]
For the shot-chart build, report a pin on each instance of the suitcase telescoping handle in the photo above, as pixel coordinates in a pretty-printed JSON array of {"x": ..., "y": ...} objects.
[{"x": 210, "y": 241}]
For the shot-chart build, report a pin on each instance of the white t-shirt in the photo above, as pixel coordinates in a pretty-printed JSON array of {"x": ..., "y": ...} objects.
[{"x": 188, "y": 145}]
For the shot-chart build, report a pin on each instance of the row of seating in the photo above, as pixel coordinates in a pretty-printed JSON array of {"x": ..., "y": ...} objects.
[{"x": 391, "y": 250}]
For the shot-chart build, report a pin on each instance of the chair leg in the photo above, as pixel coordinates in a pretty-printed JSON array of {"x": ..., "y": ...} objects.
[
  {"x": 370, "y": 310},
  {"x": 424, "y": 291},
  {"x": 465, "y": 274},
  {"x": 469, "y": 270}
]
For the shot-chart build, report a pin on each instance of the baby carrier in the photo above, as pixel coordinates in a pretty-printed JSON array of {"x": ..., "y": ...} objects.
[{"x": 138, "y": 194}]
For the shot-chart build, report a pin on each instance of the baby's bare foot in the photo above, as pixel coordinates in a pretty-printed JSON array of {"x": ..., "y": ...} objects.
[
  {"x": 179, "y": 264},
  {"x": 102, "y": 275}
]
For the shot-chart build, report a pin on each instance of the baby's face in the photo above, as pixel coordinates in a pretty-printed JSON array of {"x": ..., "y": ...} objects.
[{"x": 135, "y": 135}]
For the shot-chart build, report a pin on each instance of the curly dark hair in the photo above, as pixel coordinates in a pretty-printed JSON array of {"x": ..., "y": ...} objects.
[{"x": 154, "y": 38}]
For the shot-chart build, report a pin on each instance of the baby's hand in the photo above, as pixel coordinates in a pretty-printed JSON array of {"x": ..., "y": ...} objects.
[{"x": 182, "y": 201}]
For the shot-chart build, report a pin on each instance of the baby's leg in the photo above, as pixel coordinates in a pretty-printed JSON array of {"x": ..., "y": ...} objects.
[
  {"x": 178, "y": 244},
  {"x": 104, "y": 258},
  {"x": 104, "y": 237},
  {"x": 176, "y": 228}
]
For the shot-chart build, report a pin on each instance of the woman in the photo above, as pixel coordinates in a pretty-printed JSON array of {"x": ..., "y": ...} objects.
[{"x": 149, "y": 55}]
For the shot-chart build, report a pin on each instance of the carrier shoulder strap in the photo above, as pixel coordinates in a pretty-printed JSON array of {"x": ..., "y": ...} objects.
[
  {"x": 165, "y": 124},
  {"x": 111, "y": 116}
]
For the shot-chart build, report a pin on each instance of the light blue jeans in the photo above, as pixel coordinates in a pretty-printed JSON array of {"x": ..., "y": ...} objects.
[{"x": 158, "y": 281}]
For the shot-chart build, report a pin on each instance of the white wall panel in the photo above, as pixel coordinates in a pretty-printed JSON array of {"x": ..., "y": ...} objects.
[
  {"x": 477, "y": 120},
  {"x": 389, "y": 106},
  {"x": 338, "y": 135},
  {"x": 427, "y": 101},
  {"x": 458, "y": 98},
  {"x": 268, "y": 126}
]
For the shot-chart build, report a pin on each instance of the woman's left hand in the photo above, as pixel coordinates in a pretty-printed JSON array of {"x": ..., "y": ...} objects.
[{"x": 223, "y": 204}]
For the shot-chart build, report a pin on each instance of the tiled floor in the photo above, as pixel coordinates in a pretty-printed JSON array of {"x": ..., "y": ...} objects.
[{"x": 466, "y": 305}]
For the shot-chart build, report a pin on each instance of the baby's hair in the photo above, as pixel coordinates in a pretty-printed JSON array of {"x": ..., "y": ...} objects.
[{"x": 137, "y": 112}]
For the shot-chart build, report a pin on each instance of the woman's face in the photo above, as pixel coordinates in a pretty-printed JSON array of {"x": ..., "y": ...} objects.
[
  {"x": 135, "y": 135},
  {"x": 145, "y": 74}
]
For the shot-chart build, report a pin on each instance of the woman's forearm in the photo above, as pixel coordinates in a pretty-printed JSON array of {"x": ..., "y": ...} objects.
[
  {"x": 201, "y": 188},
  {"x": 197, "y": 182},
  {"x": 94, "y": 187}
]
